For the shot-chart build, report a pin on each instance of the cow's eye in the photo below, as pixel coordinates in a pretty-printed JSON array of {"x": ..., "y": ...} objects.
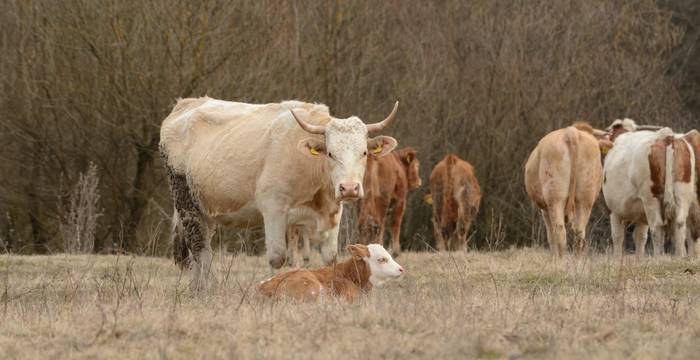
[
  {"x": 382, "y": 260},
  {"x": 330, "y": 155},
  {"x": 364, "y": 153}
]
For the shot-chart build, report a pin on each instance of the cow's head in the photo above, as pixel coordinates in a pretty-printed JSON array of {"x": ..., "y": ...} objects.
[
  {"x": 408, "y": 159},
  {"x": 345, "y": 148},
  {"x": 621, "y": 126},
  {"x": 604, "y": 137},
  {"x": 382, "y": 266}
]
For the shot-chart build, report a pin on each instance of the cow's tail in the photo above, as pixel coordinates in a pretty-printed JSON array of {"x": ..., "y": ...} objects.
[
  {"x": 451, "y": 191},
  {"x": 669, "y": 202},
  {"x": 571, "y": 139}
]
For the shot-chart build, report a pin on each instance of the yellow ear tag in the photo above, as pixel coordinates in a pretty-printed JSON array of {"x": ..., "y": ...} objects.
[
  {"x": 428, "y": 199},
  {"x": 604, "y": 150},
  {"x": 377, "y": 150},
  {"x": 313, "y": 151}
]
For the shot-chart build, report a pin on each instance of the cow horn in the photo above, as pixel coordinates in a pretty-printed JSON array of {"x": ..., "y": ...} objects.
[
  {"x": 598, "y": 132},
  {"x": 314, "y": 129},
  {"x": 649, "y": 127},
  {"x": 382, "y": 124}
]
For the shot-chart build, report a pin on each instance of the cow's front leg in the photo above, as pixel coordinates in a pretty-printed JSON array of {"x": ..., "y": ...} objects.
[
  {"x": 329, "y": 246},
  {"x": 275, "y": 219}
]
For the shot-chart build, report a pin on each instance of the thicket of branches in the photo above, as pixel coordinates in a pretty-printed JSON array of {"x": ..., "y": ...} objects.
[{"x": 87, "y": 81}]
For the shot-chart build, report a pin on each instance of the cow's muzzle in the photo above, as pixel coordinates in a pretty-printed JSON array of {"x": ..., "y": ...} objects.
[{"x": 349, "y": 190}]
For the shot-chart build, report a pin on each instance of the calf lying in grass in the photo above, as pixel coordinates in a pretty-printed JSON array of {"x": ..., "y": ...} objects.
[{"x": 369, "y": 266}]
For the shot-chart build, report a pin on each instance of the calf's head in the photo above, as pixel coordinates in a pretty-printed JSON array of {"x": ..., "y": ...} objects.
[
  {"x": 345, "y": 148},
  {"x": 381, "y": 265}
]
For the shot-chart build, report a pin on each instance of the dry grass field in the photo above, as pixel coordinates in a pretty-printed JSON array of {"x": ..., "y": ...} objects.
[{"x": 512, "y": 304}]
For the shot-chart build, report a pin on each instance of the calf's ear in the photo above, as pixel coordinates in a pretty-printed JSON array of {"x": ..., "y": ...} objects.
[
  {"x": 358, "y": 251},
  {"x": 312, "y": 147},
  {"x": 381, "y": 145}
]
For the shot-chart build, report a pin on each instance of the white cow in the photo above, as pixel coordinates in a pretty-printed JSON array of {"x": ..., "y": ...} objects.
[
  {"x": 650, "y": 181},
  {"x": 277, "y": 164}
]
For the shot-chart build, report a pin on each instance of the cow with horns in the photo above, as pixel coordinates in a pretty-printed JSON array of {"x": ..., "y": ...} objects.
[{"x": 272, "y": 164}]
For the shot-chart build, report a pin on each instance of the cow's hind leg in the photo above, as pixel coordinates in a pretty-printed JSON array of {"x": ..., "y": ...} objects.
[
  {"x": 617, "y": 229},
  {"x": 557, "y": 230},
  {"x": 192, "y": 248},
  {"x": 583, "y": 213},
  {"x": 640, "y": 238},
  {"x": 439, "y": 239},
  {"x": 548, "y": 228},
  {"x": 395, "y": 228},
  {"x": 679, "y": 234}
]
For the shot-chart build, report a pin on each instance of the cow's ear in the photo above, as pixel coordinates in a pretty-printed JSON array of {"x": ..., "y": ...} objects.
[
  {"x": 410, "y": 156},
  {"x": 381, "y": 145},
  {"x": 358, "y": 251},
  {"x": 312, "y": 147},
  {"x": 605, "y": 145}
]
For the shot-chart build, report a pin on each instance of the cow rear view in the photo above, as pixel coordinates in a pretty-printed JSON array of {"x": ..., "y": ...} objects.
[
  {"x": 456, "y": 197},
  {"x": 563, "y": 176},
  {"x": 650, "y": 182}
]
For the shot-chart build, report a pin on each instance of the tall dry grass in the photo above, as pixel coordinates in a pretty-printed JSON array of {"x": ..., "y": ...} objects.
[{"x": 514, "y": 303}]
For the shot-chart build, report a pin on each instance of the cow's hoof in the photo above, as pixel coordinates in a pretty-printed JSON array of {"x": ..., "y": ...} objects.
[{"x": 277, "y": 262}]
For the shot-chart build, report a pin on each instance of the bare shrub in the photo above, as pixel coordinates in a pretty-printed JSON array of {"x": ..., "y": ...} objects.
[
  {"x": 79, "y": 221},
  {"x": 85, "y": 80}
]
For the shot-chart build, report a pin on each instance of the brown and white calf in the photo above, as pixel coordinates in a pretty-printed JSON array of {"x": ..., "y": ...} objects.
[
  {"x": 650, "y": 181},
  {"x": 455, "y": 196},
  {"x": 368, "y": 266},
  {"x": 563, "y": 176},
  {"x": 387, "y": 181}
]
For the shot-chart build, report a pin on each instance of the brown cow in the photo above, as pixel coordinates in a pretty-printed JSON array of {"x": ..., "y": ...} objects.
[
  {"x": 455, "y": 195},
  {"x": 563, "y": 177},
  {"x": 387, "y": 182}
]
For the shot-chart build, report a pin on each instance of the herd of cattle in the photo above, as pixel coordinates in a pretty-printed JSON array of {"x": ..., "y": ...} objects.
[{"x": 289, "y": 166}]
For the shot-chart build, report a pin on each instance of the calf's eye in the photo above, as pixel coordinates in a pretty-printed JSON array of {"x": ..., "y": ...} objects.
[{"x": 382, "y": 260}]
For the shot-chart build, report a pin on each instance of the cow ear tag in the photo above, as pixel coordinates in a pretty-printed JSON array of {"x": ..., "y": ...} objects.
[
  {"x": 604, "y": 150},
  {"x": 313, "y": 151},
  {"x": 377, "y": 150},
  {"x": 428, "y": 199}
]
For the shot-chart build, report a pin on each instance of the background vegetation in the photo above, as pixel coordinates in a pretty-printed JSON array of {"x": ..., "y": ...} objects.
[{"x": 86, "y": 82}]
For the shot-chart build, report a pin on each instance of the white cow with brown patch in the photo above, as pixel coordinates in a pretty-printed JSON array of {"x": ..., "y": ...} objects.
[
  {"x": 650, "y": 181},
  {"x": 272, "y": 164},
  {"x": 693, "y": 139},
  {"x": 563, "y": 176}
]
